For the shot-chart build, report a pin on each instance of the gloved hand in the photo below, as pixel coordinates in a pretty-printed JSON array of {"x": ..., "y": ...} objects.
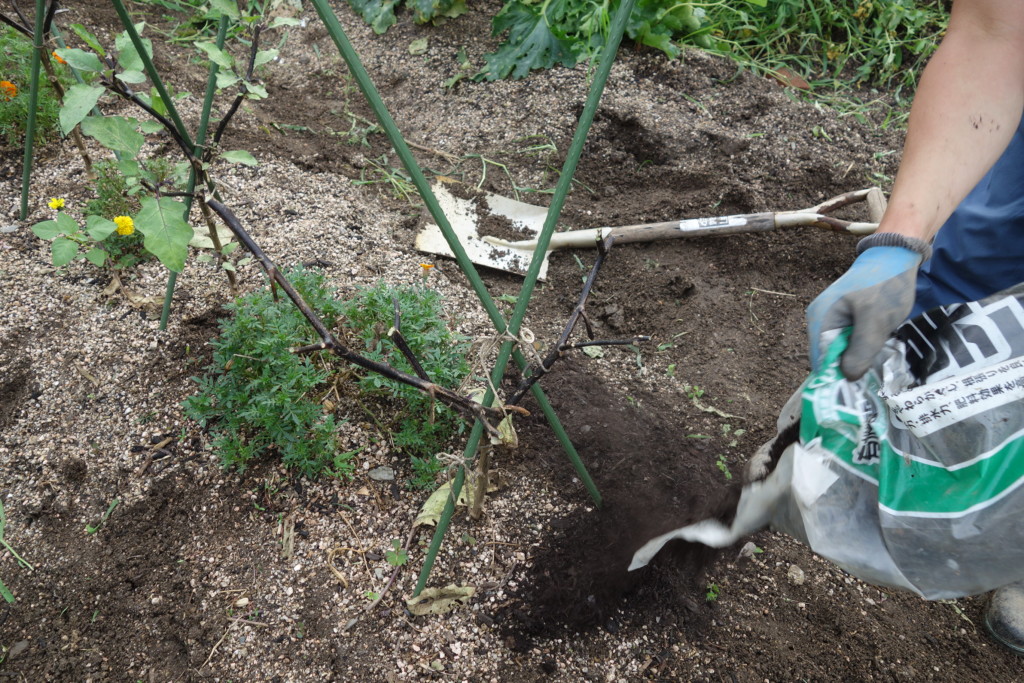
[{"x": 874, "y": 296}]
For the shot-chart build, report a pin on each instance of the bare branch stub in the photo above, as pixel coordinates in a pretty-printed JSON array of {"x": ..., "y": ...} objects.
[
  {"x": 395, "y": 335},
  {"x": 328, "y": 342},
  {"x": 535, "y": 372}
]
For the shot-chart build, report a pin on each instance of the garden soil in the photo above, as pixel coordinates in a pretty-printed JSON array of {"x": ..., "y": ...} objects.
[{"x": 198, "y": 573}]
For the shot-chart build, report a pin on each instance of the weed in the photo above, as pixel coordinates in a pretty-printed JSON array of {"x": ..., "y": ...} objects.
[
  {"x": 256, "y": 395},
  {"x": 723, "y": 465},
  {"x": 93, "y": 528},
  {"x": 380, "y": 173},
  {"x": 713, "y": 591},
  {"x": 397, "y": 556},
  {"x": 4, "y": 591}
]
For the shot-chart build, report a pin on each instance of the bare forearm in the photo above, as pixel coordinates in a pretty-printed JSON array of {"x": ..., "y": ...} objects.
[{"x": 967, "y": 107}]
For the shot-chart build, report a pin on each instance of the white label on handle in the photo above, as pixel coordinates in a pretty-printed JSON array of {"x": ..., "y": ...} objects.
[{"x": 691, "y": 224}]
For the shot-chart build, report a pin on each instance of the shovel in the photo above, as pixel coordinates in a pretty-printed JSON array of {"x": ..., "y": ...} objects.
[{"x": 467, "y": 216}]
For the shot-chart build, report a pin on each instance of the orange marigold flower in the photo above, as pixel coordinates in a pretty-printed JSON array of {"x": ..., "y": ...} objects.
[
  {"x": 426, "y": 268},
  {"x": 125, "y": 225},
  {"x": 60, "y": 60},
  {"x": 8, "y": 90}
]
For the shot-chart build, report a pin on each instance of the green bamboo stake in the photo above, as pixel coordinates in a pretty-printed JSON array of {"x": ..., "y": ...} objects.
[
  {"x": 350, "y": 56},
  {"x": 33, "y": 102},
  {"x": 204, "y": 122},
  {"x": 179, "y": 125},
  {"x": 465, "y": 264},
  {"x": 561, "y": 190}
]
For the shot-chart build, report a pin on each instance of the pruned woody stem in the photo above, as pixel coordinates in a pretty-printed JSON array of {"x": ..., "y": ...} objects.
[
  {"x": 535, "y": 372},
  {"x": 328, "y": 342}
]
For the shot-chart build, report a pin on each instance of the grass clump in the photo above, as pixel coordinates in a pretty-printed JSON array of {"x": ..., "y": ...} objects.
[
  {"x": 831, "y": 42},
  {"x": 15, "y": 72},
  {"x": 420, "y": 427},
  {"x": 257, "y": 396}
]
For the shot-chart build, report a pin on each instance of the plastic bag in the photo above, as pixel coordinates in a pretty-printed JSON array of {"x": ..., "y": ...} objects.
[{"x": 910, "y": 477}]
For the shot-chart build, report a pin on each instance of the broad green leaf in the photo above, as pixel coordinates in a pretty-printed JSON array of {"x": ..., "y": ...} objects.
[
  {"x": 96, "y": 256},
  {"x": 64, "y": 251},
  {"x": 127, "y": 56},
  {"x": 379, "y": 14},
  {"x": 67, "y": 224},
  {"x": 284, "y": 21},
  {"x": 530, "y": 44},
  {"x": 225, "y": 7},
  {"x": 167, "y": 234},
  {"x": 80, "y": 59},
  {"x": 149, "y": 126},
  {"x": 418, "y": 46},
  {"x": 129, "y": 168},
  {"x": 255, "y": 91},
  {"x": 264, "y": 56},
  {"x": 240, "y": 156},
  {"x": 132, "y": 77},
  {"x": 46, "y": 230},
  {"x": 228, "y": 265},
  {"x": 432, "y": 10},
  {"x": 115, "y": 133},
  {"x": 88, "y": 38},
  {"x": 226, "y": 79},
  {"x": 78, "y": 102},
  {"x": 99, "y": 228},
  {"x": 218, "y": 56}
]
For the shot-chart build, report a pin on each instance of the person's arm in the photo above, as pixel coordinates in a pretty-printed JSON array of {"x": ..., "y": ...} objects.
[
  {"x": 966, "y": 110},
  {"x": 967, "y": 106}
]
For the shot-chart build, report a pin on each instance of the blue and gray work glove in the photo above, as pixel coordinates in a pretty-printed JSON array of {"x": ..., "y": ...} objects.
[{"x": 874, "y": 296}]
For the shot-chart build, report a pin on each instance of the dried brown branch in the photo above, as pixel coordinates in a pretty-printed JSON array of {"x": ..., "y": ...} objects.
[
  {"x": 463, "y": 404},
  {"x": 534, "y": 372}
]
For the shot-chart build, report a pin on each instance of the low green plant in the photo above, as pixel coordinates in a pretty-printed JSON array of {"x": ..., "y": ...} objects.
[
  {"x": 421, "y": 427},
  {"x": 15, "y": 64},
  {"x": 713, "y": 591},
  {"x": 397, "y": 556},
  {"x": 5, "y": 592},
  {"x": 723, "y": 465},
  {"x": 257, "y": 396},
  {"x": 830, "y": 41}
]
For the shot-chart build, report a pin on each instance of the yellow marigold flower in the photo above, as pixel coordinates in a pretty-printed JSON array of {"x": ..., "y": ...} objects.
[
  {"x": 60, "y": 60},
  {"x": 56, "y": 203},
  {"x": 8, "y": 90},
  {"x": 125, "y": 225}
]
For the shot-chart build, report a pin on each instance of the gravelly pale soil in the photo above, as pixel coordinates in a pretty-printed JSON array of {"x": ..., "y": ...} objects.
[{"x": 204, "y": 574}]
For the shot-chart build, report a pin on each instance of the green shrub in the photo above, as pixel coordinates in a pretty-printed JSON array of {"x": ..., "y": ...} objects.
[
  {"x": 257, "y": 397},
  {"x": 421, "y": 427},
  {"x": 15, "y": 68}
]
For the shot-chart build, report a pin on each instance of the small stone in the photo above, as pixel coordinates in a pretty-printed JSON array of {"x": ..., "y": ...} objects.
[
  {"x": 382, "y": 473},
  {"x": 241, "y": 602},
  {"x": 5, "y": 229},
  {"x": 748, "y": 550},
  {"x": 796, "y": 575}
]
